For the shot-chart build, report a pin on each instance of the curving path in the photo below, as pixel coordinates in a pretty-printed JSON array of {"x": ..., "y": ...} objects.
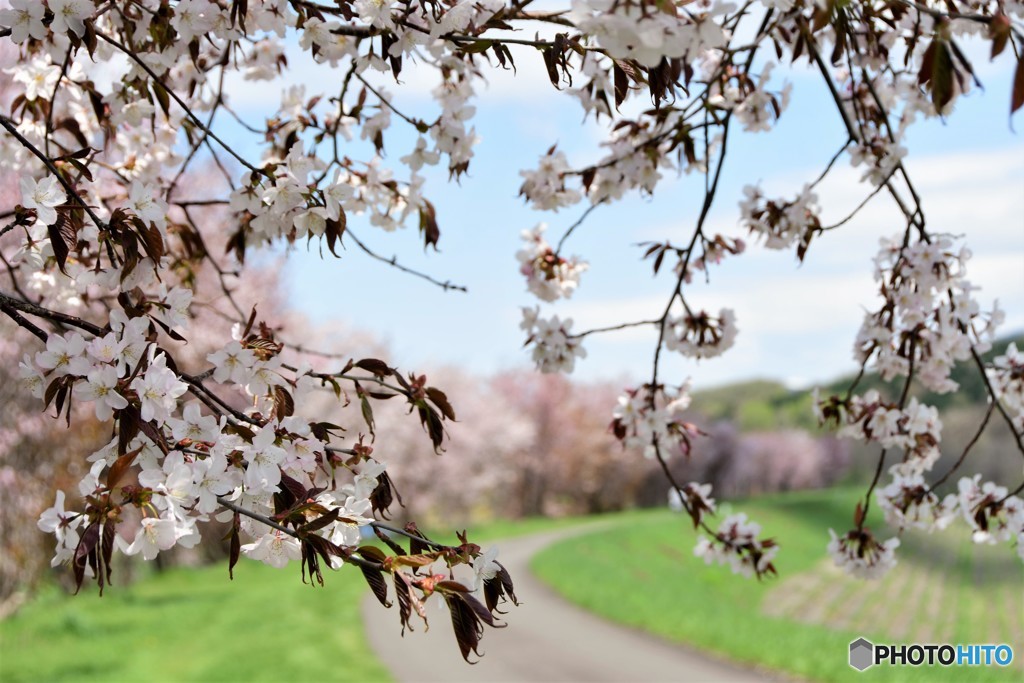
[{"x": 547, "y": 639}]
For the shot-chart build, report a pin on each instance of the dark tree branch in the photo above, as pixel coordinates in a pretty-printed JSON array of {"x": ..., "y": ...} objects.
[
  {"x": 393, "y": 262},
  {"x": 54, "y": 316},
  {"x": 263, "y": 519}
]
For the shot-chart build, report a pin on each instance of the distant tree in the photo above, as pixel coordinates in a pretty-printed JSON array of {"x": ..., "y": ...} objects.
[{"x": 115, "y": 104}]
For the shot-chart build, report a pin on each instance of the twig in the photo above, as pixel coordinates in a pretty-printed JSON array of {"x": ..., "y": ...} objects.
[
  {"x": 967, "y": 449},
  {"x": 55, "y": 316},
  {"x": 393, "y": 262},
  {"x": 22, "y": 322},
  {"x": 578, "y": 223}
]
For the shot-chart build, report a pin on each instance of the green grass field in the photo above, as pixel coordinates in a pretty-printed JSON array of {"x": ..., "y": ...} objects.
[
  {"x": 195, "y": 625},
  {"x": 943, "y": 590}
]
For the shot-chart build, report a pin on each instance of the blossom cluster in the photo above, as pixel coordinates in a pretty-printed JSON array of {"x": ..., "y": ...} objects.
[
  {"x": 701, "y": 335},
  {"x": 860, "y": 555},
  {"x": 915, "y": 429},
  {"x": 548, "y": 275},
  {"x": 182, "y": 475},
  {"x": 715, "y": 251},
  {"x": 880, "y": 154},
  {"x": 929, "y": 319},
  {"x": 545, "y": 187},
  {"x": 737, "y": 543},
  {"x": 1007, "y": 377},
  {"x": 188, "y": 484},
  {"x": 753, "y": 105},
  {"x": 555, "y": 349},
  {"x": 928, "y": 322},
  {"x": 909, "y": 503},
  {"x": 993, "y": 515},
  {"x": 652, "y": 418},
  {"x": 649, "y": 32},
  {"x": 778, "y": 222},
  {"x": 695, "y": 499}
]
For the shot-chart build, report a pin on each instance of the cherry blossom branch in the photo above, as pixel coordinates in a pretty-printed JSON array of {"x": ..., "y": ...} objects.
[
  {"x": 402, "y": 532},
  {"x": 851, "y": 129},
  {"x": 832, "y": 161},
  {"x": 615, "y": 328},
  {"x": 221, "y": 274},
  {"x": 218, "y": 100},
  {"x": 967, "y": 449},
  {"x": 393, "y": 262},
  {"x": 53, "y": 100},
  {"x": 181, "y": 103},
  {"x": 298, "y": 348},
  {"x": 578, "y": 223},
  {"x": 196, "y": 387},
  {"x": 556, "y": 17},
  {"x": 13, "y": 314},
  {"x": 263, "y": 519},
  {"x": 9, "y": 126},
  {"x": 980, "y": 364},
  {"x": 418, "y": 124},
  {"x": 881, "y": 456},
  {"x": 864, "y": 202},
  {"x": 11, "y": 273},
  {"x": 938, "y": 14},
  {"x": 709, "y": 197},
  {"x": 54, "y": 316}
]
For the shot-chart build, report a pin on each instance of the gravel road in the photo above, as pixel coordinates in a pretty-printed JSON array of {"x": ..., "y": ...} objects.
[{"x": 547, "y": 639}]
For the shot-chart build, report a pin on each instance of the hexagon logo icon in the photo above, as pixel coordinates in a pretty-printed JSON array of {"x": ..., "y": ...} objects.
[{"x": 861, "y": 654}]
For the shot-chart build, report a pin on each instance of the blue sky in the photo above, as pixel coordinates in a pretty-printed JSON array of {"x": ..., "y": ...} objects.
[{"x": 797, "y": 323}]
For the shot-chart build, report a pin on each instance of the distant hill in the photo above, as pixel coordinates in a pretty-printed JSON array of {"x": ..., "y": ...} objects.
[{"x": 764, "y": 405}]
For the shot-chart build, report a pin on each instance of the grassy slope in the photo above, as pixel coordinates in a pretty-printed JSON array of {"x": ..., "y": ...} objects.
[
  {"x": 195, "y": 625},
  {"x": 647, "y": 577}
]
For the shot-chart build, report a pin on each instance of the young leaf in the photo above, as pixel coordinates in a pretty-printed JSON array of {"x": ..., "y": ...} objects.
[
  {"x": 1017, "y": 100},
  {"x": 235, "y": 545},
  {"x": 441, "y": 401},
  {"x": 375, "y": 579}
]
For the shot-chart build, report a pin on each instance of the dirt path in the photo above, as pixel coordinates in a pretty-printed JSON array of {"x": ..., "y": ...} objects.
[{"x": 547, "y": 639}]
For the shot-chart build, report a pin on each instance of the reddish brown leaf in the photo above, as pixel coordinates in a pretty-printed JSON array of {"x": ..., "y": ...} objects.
[
  {"x": 85, "y": 548},
  {"x": 999, "y": 33},
  {"x": 284, "y": 404},
  {"x": 235, "y": 545},
  {"x": 377, "y": 368},
  {"x": 120, "y": 467},
  {"x": 439, "y": 399},
  {"x": 62, "y": 238},
  {"x": 375, "y": 579},
  {"x": 1017, "y": 100}
]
